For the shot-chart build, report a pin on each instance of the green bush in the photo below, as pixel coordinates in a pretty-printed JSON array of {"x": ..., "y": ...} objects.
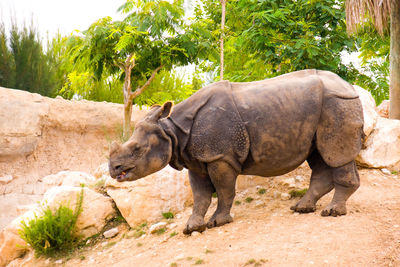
[{"x": 54, "y": 231}]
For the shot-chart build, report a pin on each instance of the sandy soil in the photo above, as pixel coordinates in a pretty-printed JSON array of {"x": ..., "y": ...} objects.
[{"x": 266, "y": 234}]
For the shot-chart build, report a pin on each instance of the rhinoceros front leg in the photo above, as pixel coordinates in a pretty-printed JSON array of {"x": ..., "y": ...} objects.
[
  {"x": 223, "y": 177},
  {"x": 202, "y": 189},
  {"x": 346, "y": 181},
  {"x": 321, "y": 183}
]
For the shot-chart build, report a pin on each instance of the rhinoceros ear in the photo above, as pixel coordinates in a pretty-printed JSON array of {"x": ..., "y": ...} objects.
[
  {"x": 166, "y": 110},
  {"x": 114, "y": 147}
]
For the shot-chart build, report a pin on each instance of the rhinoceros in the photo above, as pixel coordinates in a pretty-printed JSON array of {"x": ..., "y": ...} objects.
[{"x": 265, "y": 128}]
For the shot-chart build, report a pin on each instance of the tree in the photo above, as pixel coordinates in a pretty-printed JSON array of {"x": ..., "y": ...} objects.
[
  {"x": 380, "y": 13},
  {"x": 223, "y": 10},
  {"x": 25, "y": 64},
  {"x": 152, "y": 37},
  {"x": 268, "y": 38}
]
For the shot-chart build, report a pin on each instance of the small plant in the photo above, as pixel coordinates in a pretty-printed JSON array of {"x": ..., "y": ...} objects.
[
  {"x": 297, "y": 193},
  {"x": 82, "y": 257},
  {"x": 208, "y": 251},
  {"x": 249, "y": 199},
  {"x": 173, "y": 264},
  {"x": 251, "y": 261},
  {"x": 173, "y": 234},
  {"x": 198, "y": 262},
  {"x": 139, "y": 244},
  {"x": 262, "y": 191},
  {"x": 237, "y": 202},
  {"x": 110, "y": 244},
  {"x": 168, "y": 215},
  {"x": 214, "y": 195},
  {"x": 139, "y": 233},
  {"x": 161, "y": 231},
  {"x": 54, "y": 231},
  {"x": 139, "y": 230},
  {"x": 395, "y": 172}
]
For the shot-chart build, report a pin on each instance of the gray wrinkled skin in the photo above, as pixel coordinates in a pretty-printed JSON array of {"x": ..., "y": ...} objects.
[{"x": 264, "y": 128}]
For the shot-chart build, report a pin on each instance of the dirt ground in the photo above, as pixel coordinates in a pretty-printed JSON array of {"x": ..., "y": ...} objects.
[{"x": 265, "y": 232}]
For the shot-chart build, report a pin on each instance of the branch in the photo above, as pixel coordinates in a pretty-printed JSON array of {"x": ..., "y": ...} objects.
[{"x": 140, "y": 90}]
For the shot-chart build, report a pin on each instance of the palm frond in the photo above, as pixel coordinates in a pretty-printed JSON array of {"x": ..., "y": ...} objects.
[{"x": 360, "y": 11}]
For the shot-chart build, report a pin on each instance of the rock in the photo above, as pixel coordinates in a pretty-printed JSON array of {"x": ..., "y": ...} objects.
[
  {"x": 97, "y": 209},
  {"x": 111, "y": 233},
  {"x": 386, "y": 171},
  {"x": 6, "y": 179},
  {"x": 383, "y": 109},
  {"x": 277, "y": 194},
  {"x": 58, "y": 262},
  {"x": 259, "y": 203},
  {"x": 155, "y": 227},
  {"x": 289, "y": 182},
  {"x": 41, "y": 136},
  {"x": 382, "y": 146},
  {"x": 11, "y": 246},
  {"x": 101, "y": 172},
  {"x": 369, "y": 109},
  {"x": 147, "y": 198},
  {"x": 68, "y": 178},
  {"x": 285, "y": 196},
  {"x": 299, "y": 179},
  {"x": 195, "y": 233}
]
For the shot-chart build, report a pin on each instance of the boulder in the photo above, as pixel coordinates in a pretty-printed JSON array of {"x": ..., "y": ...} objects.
[
  {"x": 97, "y": 209},
  {"x": 383, "y": 146},
  {"x": 369, "y": 109},
  {"x": 383, "y": 109},
  {"x": 12, "y": 245},
  {"x": 147, "y": 198},
  {"x": 69, "y": 178}
]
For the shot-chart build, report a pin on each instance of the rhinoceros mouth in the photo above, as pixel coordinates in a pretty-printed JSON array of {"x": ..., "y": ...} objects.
[{"x": 125, "y": 175}]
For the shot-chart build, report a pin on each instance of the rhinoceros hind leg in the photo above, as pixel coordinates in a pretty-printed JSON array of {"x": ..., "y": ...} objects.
[
  {"x": 223, "y": 176},
  {"x": 321, "y": 183},
  {"x": 347, "y": 181},
  {"x": 202, "y": 189}
]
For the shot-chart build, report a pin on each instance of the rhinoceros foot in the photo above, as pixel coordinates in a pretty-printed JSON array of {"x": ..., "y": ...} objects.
[
  {"x": 219, "y": 219},
  {"x": 334, "y": 209},
  {"x": 195, "y": 223},
  {"x": 303, "y": 207}
]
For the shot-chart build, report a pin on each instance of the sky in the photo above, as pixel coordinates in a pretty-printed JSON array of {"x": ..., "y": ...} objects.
[{"x": 65, "y": 16}]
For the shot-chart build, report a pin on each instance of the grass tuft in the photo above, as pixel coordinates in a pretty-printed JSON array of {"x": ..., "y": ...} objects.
[
  {"x": 249, "y": 199},
  {"x": 168, "y": 215},
  {"x": 297, "y": 193},
  {"x": 53, "y": 232}
]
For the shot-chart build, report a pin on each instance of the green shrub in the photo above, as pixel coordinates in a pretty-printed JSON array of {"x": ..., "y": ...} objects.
[
  {"x": 168, "y": 215},
  {"x": 54, "y": 231},
  {"x": 298, "y": 193}
]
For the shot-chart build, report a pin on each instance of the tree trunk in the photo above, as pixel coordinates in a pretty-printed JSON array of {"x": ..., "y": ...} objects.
[
  {"x": 221, "y": 75},
  {"x": 127, "y": 120},
  {"x": 394, "y": 108}
]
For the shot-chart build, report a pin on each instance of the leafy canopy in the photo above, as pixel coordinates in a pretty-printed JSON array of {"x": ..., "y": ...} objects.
[{"x": 268, "y": 38}]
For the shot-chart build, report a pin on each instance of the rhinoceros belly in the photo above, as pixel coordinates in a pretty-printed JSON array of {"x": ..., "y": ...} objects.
[{"x": 281, "y": 119}]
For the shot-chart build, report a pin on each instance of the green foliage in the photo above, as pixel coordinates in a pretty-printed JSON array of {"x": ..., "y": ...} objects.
[
  {"x": 25, "y": 64},
  {"x": 153, "y": 34},
  {"x": 168, "y": 215},
  {"x": 161, "y": 231},
  {"x": 298, "y": 193},
  {"x": 249, "y": 199},
  {"x": 261, "y": 191},
  {"x": 268, "y": 38},
  {"x": 374, "y": 50},
  {"x": 54, "y": 231}
]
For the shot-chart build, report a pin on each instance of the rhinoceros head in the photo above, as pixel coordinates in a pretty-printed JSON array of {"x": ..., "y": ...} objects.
[{"x": 148, "y": 150}]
